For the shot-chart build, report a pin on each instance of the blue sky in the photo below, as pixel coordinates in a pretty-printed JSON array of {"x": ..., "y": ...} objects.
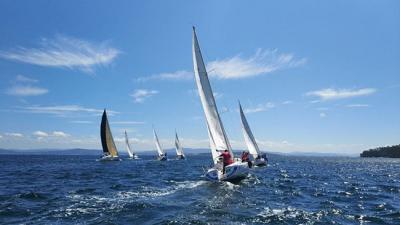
[{"x": 312, "y": 75}]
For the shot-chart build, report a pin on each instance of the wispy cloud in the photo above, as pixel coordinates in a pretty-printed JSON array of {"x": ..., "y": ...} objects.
[
  {"x": 178, "y": 75},
  {"x": 63, "y": 51},
  {"x": 81, "y": 121},
  {"x": 27, "y": 90},
  {"x": 140, "y": 95},
  {"x": 357, "y": 106},
  {"x": 64, "y": 110},
  {"x": 262, "y": 62},
  {"x": 24, "y": 79},
  {"x": 335, "y": 94},
  {"x": 127, "y": 122},
  {"x": 260, "y": 108},
  {"x": 322, "y": 115},
  {"x": 14, "y": 134}
]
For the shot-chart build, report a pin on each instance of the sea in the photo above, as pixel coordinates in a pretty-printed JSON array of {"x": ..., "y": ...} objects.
[{"x": 57, "y": 189}]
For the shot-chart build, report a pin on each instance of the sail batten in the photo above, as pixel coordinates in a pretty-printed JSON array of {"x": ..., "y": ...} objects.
[
  {"x": 128, "y": 146},
  {"x": 216, "y": 129},
  {"x": 107, "y": 140},
  {"x": 248, "y": 135}
]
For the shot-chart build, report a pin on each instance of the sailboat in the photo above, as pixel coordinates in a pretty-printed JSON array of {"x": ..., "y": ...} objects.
[
  {"x": 162, "y": 155},
  {"x": 259, "y": 159},
  {"x": 131, "y": 154},
  {"x": 178, "y": 148},
  {"x": 110, "y": 152},
  {"x": 218, "y": 139}
]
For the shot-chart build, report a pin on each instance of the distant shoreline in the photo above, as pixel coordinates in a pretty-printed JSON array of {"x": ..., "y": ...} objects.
[{"x": 387, "y": 152}]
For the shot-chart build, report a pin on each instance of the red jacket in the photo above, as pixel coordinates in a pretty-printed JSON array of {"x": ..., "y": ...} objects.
[{"x": 227, "y": 158}]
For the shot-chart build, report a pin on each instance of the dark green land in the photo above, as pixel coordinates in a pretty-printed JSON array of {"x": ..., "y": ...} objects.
[{"x": 388, "y": 151}]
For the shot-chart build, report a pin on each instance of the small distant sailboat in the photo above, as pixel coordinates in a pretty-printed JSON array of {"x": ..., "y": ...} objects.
[
  {"x": 162, "y": 155},
  {"x": 259, "y": 159},
  {"x": 178, "y": 147},
  {"x": 218, "y": 138},
  {"x": 110, "y": 152},
  {"x": 131, "y": 154}
]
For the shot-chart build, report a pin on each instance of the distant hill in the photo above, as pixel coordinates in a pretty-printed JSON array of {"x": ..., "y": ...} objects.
[{"x": 388, "y": 151}]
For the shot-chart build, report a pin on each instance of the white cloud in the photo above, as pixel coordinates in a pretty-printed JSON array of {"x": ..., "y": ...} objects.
[
  {"x": 322, "y": 115},
  {"x": 260, "y": 108},
  {"x": 287, "y": 102},
  {"x": 1, "y": 136},
  {"x": 40, "y": 134},
  {"x": 178, "y": 75},
  {"x": 262, "y": 62},
  {"x": 65, "y": 52},
  {"x": 28, "y": 90},
  {"x": 81, "y": 121},
  {"x": 24, "y": 79},
  {"x": 140, "y": 95},
  {"x": 357, "y": 106},
  {"x": 63, "y": 110},
  {"x": 332, "y": 94},
  {"x": 14, "y": 134},
  {"x": 127, "y": 122},
  {"x": 59, "y": 134}
]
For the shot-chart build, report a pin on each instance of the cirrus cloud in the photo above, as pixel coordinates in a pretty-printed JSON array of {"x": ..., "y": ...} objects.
[
  {"x": 63, "y": 51},
  {"x": 335, "y": 94},
  {"x": 26, "y": 90},
  {"x": 262, "y": 62},
  {"x": 140, "y": 95}
]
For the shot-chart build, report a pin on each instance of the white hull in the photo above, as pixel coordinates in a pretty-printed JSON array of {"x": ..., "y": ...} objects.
[
  {"x": 134, "y": 157},
  {"x": 235, "y": 172},
  {"x": 260, "y": 162},
  {"x": 109, "y": 158}
]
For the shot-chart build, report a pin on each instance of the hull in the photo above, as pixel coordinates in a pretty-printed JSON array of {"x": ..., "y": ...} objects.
[
  {"x": 109, "y": 158},
  {"x": 233, "y": 173},
  {"x": 180, "y": 157},
  {"x": 162, "y": 158},
  {"x": 134, "y": 157},
  {"x": 260, "y": 162}
]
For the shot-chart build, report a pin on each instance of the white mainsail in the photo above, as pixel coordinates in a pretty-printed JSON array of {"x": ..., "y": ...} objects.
[
  {"x": 248, "y": 135},
  {"x": 128, "y": 146},
  {"x": 178, "y": 146},
  {"x": 159, "y": 149},
  {"x": 216, "y": 130}
]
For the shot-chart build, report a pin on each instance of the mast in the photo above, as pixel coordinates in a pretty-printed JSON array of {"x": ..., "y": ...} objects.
[
  {"x": 107, "y": 140},
  {"x": 214, "y": 123},
  {"x": 128, "y": 146},
  {"x": 248, "y": 135}
]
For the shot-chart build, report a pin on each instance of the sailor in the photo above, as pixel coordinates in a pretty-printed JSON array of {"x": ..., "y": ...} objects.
[
  {"x": 227, "y": 159},
  {"x": 245, "y": 158}
]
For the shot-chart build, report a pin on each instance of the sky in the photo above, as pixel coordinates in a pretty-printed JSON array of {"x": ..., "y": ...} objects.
[{"x": 312, "y": 76}]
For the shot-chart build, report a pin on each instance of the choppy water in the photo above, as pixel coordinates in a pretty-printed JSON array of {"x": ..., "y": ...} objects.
[{"x": 292, "y": 190}]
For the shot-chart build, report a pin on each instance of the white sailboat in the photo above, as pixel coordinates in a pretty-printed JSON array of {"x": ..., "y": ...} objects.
[
  {"x": 110, "y": 152},
  {"x": 259, "y": 159},
  {"x": 178, "y": 148},
  {"x": 218, "y": 138},
  {"x": 131, "y": 154},
  {"x": 162, "y": 155}
]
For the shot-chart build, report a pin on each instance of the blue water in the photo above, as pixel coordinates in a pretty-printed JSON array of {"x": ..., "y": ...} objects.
[{"x": 291, "y": 190}]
